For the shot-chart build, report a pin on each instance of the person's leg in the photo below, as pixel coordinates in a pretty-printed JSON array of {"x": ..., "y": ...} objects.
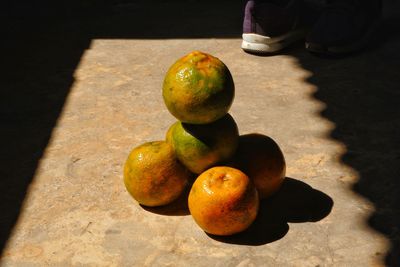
[
  {"x": 344, "y": 26},
  {"x": 271, "y": 25}
]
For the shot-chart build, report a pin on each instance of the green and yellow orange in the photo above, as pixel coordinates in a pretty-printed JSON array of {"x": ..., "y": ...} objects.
[
  {"x": 198, "y": 88},
  {"x": 153, "y": 175},
  {"x": 200, "y": 147}
]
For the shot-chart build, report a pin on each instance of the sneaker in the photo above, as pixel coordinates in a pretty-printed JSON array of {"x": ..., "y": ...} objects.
[
  {"x": 270, "y": 26},
  {"x": 344, "y": 26}
]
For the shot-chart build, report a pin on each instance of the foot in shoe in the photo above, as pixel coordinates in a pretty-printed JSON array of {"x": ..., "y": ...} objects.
[
  {"x": 344, "y": 26},
  {"x": 272, "y": 25}
]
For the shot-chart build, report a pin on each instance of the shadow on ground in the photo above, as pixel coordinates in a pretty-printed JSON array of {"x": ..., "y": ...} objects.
[
  {"x": 362, "y": 97},
  {"x": 178, "y": 207},
  {"x": 295, "y": 202},
  {"x": 42, "y": 45},
  {"x": 39, "y": 57}
]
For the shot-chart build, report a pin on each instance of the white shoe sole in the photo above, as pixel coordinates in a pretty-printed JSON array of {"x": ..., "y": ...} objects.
[{"x": 260, "y": 44}]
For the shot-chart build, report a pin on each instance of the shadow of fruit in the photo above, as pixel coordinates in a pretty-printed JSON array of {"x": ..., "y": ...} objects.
[{"x": 295, "y": 202}]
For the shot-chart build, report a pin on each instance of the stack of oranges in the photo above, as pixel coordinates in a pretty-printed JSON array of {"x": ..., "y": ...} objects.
[{"x": 233, "y": 172}]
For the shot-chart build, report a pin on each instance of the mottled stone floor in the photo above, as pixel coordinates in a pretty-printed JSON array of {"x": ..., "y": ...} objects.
[{"x": 84, "y": 93}]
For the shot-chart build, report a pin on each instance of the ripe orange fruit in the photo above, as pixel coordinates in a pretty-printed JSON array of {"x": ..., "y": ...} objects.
[
  {"x": 223, "y": 201},
  {"x": 262, "y": 160},
  {"x": 198, "y": 88},
  {"x": 153, "y": 175},
  {"x": 200, "y": 147}
]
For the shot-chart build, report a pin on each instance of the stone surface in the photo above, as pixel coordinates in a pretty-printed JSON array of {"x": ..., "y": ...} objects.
[{"x": 76, "y": 211}]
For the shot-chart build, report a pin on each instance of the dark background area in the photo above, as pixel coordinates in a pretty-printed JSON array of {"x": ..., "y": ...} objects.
[
  {"x": 362, "y": 97},
  {"x": 42, "y": 43}
]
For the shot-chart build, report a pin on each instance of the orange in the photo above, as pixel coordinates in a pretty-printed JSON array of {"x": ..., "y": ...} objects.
[
  {"x": 198, "y": 88},
  {"x": 200, "y": 147},
  {"x": 153, "y": 175},
  {"x": 168, "y": 136},
  {"x": 262, "y": 160},
  {"x": 223, "y": 201}
]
